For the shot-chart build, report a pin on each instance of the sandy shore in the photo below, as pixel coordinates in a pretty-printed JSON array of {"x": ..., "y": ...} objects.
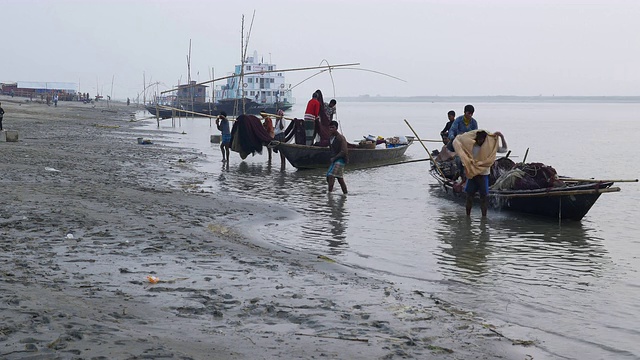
[{"x": 87, "y": 214}]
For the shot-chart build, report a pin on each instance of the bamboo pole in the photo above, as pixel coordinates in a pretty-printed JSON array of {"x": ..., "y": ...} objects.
[
  {"x": 594, "y": 180},
  {"x": 192, "y": 112},
  {"x": 274, "y": 115},
  {"x": 559, "y": 193},
  {"x": 525, "y": 155},
  {"x": 425, "y": 148},
  {"x": 269, "y": 71},
  {"x": 398, "y": 163}
]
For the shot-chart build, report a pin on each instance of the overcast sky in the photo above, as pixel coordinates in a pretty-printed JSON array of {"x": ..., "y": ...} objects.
[{"x": 442, "y": 48}]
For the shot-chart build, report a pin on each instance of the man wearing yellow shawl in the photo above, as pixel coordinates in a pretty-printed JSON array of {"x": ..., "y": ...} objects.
[{"x": 477, "y": 150}]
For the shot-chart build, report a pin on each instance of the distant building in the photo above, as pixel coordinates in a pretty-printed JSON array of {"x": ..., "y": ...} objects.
[
  {"x": 198, "y": 92},
  {"x": 65, "y": 91}
]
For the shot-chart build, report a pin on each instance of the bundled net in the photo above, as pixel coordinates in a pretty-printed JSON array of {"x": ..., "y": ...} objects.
[{"x": 528, "y": 176}]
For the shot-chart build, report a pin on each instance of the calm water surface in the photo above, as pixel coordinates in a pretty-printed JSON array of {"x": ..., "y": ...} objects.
[{"x": 571, "y": 287}]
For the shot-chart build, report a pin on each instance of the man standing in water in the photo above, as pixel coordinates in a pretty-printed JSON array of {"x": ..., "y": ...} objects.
[
  {"x": 223, "y": 125},
  {"x": 477, "y": 150},
  {"x": 339, "y": 153}
]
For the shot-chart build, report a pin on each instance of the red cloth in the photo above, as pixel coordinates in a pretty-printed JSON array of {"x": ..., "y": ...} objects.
[
  {"x": 268, "y": 125},
  {"x": 313, "y": 107}
]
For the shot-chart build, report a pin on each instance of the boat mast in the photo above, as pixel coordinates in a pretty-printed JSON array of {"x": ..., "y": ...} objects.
[
  {"x": 189, "y": 77},
  {"x": 243, "y": 50},
  {"x": 241, "y": 81}
]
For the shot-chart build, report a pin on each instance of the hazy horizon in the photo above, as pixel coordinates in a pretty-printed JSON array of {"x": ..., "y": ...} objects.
[{"x": 452, "y": 48}]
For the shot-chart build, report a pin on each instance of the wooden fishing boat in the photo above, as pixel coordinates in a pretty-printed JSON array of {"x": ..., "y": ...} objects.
[
  {"x": 163, "y": 113},
  {"x": 312, "y": 157},
  {"x": 569, "y": 202}
]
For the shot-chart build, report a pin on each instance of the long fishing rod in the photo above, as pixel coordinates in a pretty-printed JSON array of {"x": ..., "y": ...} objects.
[
  {"x": 345, "y": 68},
  {"x": 267, "y": 71}
]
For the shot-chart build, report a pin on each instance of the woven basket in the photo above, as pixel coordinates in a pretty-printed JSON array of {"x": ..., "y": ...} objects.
[{"x": 367, "y": 144}]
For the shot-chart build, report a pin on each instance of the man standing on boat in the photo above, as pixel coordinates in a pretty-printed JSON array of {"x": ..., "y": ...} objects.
[
  {"x": 330, "y": 108},
  {"x": 339, "y": 156},
  {"x": 477, "y": 150},
  {"x": 461, "y": 125},
  {"x": 223, "y": 125},
  {"x": 310, "y": 115}
]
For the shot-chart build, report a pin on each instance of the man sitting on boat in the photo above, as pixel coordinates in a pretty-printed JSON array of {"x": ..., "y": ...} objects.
[
  {"x": 444, "y": 134},
  {"x": 477, "y": 151}
]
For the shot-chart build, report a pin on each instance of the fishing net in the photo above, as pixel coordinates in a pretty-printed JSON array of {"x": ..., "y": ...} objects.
[
  {"x": 499, "y": 168},
  {"x": 528, "y": 176}
]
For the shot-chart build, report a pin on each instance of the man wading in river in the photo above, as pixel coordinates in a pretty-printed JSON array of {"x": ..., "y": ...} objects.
[
  {"x": 477, "y": 150},
  {"x": 339, "y": 153}
]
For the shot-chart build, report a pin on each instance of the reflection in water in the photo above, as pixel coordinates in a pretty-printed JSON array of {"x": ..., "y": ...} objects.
[
  {"x": 324, "y": 224},
  {"x": 338, "y": 220},
  {"x": 537, "y": 252},
  {"x": 467, "y": 245},
  {"x": 519, "y": 250}
]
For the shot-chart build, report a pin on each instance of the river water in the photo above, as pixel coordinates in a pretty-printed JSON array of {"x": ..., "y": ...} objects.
[{"x": 573, "y": 288}]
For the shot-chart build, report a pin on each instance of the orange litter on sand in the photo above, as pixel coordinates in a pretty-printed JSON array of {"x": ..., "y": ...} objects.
[{"x": 153, "y": 279}]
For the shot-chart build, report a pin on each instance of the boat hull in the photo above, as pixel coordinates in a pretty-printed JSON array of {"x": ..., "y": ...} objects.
[
  {"x": 215, "y": 109},
  {"x": 314, "y": 157},
  {"x": 571, "y": 203}
]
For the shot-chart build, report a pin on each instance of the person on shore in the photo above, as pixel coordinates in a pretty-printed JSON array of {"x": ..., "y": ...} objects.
[
  {"x": 1, "y": 116},
  {"x": 444, "y": 134},
  {"x": 279, "y": 135},
  {"x": 48, "y": 99},
  {"x": 477, "y": 150},
  {"x": 223, "y": 125},
  {"x": 128, "y": 101},
  {"x": 330, "y": 108},
  {"x": 55, "y": 100},
  {"x": 339, "y": 157},
  {"x": 310, "y": 115},
  {"x": 268, "y": 126}
]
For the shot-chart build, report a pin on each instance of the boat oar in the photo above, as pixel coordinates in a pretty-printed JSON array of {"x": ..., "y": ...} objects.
[
  {"x": 429, "y": 140},
  {"x": 425, "y": 148},
  {"x": 398, "y": 163},
  {"x": 525, "y": 155},
  {"x": 594, "y": 180}
]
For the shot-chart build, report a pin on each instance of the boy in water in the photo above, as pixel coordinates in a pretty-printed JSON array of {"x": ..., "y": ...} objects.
[
  {"x": 339, "y": 153},
  {"x": 223, "y": 125}
]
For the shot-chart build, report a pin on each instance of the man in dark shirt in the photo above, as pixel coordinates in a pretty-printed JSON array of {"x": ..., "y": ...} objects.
[
  {"x": 1, "y": 115},
  {"x": 222, "y": 123},
  {"x": 444, "y": 134},
  {"x": 339, "y": 153}
]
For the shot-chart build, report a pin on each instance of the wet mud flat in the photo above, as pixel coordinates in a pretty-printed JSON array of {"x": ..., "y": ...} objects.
[{"x": 108, "y": 250}]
